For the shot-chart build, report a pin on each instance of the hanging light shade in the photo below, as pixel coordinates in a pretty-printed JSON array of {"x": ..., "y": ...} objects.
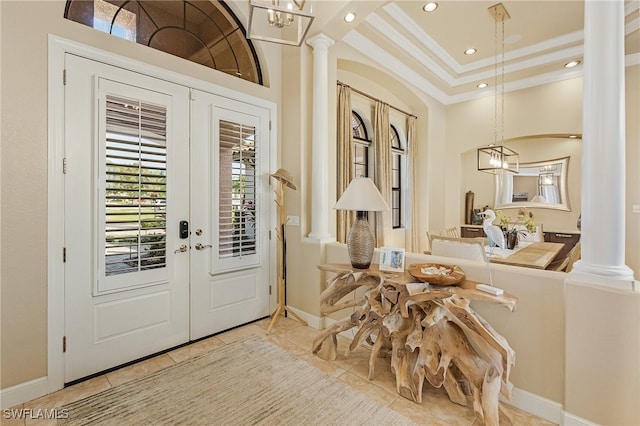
[
  {"x": 280, "y": 21},
  {"x": 497, "y": 158}
]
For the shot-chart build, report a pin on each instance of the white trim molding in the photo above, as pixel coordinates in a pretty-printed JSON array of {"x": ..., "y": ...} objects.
[
  {"x": 536, "y": 405},
  {"x": 569, "y": 419},
  {"x": 15, "y": 395}
]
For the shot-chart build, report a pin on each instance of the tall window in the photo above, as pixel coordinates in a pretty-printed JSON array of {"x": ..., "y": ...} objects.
[
  {"x": 361, "y": 145},
  {"x": 237, "y": 190},
  {"x": 397, "y": 169},
  {"x": 206, "y": 32},
  {"x": 135, "y": 161}
]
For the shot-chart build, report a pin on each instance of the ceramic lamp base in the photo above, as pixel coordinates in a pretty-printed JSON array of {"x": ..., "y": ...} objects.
[{"x": 360, "y": 242}]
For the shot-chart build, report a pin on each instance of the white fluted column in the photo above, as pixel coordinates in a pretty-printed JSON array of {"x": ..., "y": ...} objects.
[
  {"x": 603, "y": 161},
  {"x": 320, "y": 138}
]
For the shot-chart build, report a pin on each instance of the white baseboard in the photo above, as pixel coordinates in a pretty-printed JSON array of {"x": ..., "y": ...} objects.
[
  {"x": 321, "y": 323},
  {"x": 314, "y": 322},
  {"x": 23, "y": 392},
  {"x": 569, "y": 419},
  {"x": 537, "y": 405}
]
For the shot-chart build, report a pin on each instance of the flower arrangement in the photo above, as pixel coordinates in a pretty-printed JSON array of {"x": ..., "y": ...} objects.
[
  {"x": 511, "y": 233},
  {"x": 523, "y": 217}
]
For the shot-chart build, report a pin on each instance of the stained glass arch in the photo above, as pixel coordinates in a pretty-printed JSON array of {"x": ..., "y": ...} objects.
[{"x": 206, "y": 32}]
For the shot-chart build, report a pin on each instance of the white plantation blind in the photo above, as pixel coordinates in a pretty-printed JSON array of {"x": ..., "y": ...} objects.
[
  {"x": 237, "y": 197},
  {"x": 135, "y": 185}
]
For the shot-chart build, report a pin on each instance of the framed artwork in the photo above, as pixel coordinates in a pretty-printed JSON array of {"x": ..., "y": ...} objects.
[{"x": 392, "y": 259}]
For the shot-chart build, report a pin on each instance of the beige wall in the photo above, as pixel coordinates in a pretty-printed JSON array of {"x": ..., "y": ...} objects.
[
  {"x": 603, "y": 353},
  {"x": 531, "y": 150},
  {"x": 550, "y": 109},
  {"x": 443, "y": 133},
  {"x": 25, "y": 28}
]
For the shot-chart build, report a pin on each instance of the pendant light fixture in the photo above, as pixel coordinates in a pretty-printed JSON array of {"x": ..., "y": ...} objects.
[
  {"x": 280, "y": 21},
  {"x": 497, "y": 158}
]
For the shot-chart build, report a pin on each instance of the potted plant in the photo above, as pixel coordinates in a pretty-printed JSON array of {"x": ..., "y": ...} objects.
[{"x": 509, "y": 227}]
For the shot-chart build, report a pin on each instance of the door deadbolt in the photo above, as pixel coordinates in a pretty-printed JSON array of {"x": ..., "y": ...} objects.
[{"x": 184, "y": 229}]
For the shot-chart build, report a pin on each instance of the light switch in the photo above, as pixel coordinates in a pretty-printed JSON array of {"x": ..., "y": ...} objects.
[
  {"x": 293, "y": 220},
  {"x": 636, "y": 208}
]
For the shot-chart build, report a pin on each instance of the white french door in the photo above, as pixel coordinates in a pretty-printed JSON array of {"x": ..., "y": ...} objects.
[
  {"x": 229, "y": 213},
  {"x": 126, "y": 190},
  {"x": 166, "y": 215}
]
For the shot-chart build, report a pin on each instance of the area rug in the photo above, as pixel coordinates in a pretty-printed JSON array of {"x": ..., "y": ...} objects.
[{"x": 249, "y": 382}]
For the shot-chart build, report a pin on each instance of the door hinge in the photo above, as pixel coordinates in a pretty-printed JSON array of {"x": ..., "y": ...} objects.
[
  {"x": 64, "y": 254},
  {"x": 64, "y": 165},
  {"x": 64, "y": 343},
  {"x": 64, "y": 77},
  {"x": 269, "y": 289},
  {"x": 269, "y": 235},
  {"x": 269, "y": 124}
]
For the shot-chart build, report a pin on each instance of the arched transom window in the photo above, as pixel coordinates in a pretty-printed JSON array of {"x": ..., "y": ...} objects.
[{"x": 202, "y": 31}]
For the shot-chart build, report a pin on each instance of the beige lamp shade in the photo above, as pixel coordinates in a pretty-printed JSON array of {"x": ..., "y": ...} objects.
[
  {"x": 285, "y": 177},
  {"x": 361, "y": 195}
]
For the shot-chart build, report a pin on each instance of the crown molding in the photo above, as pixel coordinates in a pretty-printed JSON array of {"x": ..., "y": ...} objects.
[
  {"x": 474, "y": 71},
  {"x": 386, "y": 61}
]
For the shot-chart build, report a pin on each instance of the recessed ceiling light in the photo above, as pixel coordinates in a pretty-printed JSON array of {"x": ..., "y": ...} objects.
[
  {"x": 430, "y": 7},
  {"x": 572, "y": 64},
  {"x": 470, "y": 51},
  {"x": 482, "y": 85},
  {"x": 350, "y": 17}
]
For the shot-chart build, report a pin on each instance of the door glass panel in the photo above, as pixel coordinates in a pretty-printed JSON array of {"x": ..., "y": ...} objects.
[
  {"x": 237, "y": 191},
  {"x": 135, "y": 186}
]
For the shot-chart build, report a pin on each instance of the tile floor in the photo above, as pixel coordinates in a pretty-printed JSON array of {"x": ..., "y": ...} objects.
[{"x": 290, "y": 335}]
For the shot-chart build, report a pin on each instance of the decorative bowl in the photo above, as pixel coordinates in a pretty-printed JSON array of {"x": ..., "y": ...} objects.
[{"x": 442, "y": 274}]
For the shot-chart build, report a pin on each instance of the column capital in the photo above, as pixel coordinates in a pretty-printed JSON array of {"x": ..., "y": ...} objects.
[{"x": 320, "y": 41}]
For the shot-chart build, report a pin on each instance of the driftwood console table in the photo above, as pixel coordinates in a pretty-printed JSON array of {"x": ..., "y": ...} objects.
[{"x": 430, "y": 333}]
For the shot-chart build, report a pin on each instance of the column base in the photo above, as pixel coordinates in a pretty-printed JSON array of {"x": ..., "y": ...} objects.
[{"x": 620, "y": 277}]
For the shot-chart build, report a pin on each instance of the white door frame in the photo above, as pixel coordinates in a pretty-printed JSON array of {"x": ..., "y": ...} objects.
[{"x": 58, "y": 47}]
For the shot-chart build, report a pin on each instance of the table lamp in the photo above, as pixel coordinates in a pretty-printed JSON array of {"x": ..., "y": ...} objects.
[{"x": 362, "y": 196}]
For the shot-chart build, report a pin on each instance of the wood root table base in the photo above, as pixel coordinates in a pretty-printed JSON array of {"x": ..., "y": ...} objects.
[{"x": 431, "y": 335}]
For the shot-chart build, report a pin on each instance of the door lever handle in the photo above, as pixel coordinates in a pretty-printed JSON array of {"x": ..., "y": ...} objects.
[
  {"x": 182, "y": 249},
  {"x": 201, "y": 247}
]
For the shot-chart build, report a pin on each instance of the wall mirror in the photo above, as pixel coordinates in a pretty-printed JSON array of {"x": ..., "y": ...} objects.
[{"x": 541, "y": 184}]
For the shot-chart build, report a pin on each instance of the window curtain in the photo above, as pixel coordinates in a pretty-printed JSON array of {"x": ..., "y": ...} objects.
[
  {"x": 345, "y": 158},
  {"x": 382, "y": 150},
  {"x": 412, "y": 236}
]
